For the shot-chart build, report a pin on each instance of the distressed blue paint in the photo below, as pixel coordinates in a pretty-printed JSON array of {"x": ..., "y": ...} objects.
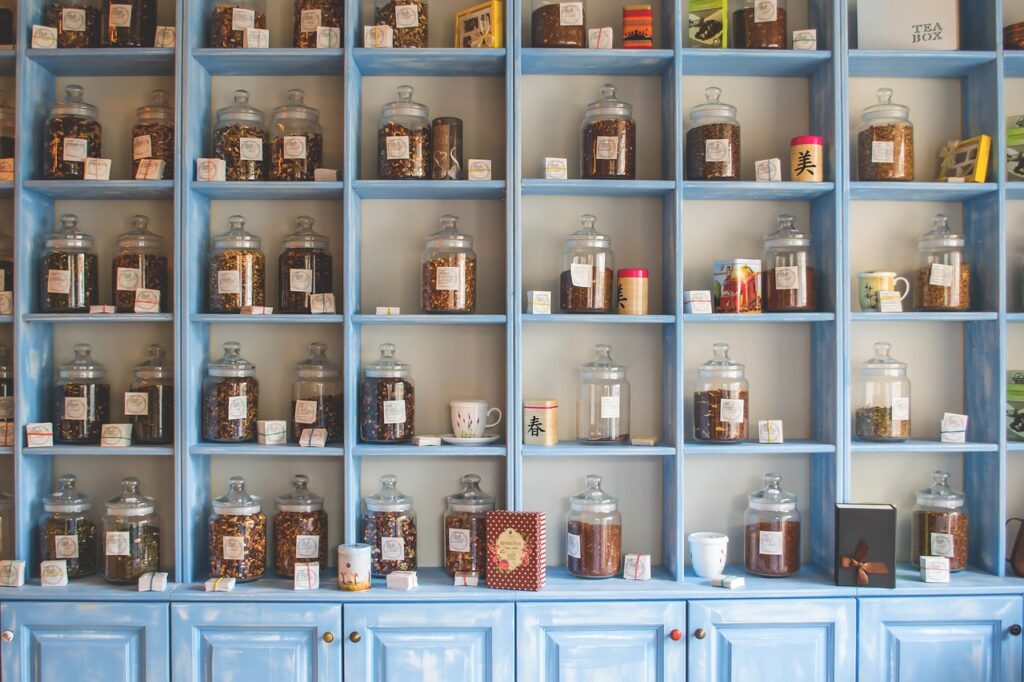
[
  {"x": 771, "y": 63},
  {"x": 264, "y": 62},
  {"x": 109, "y": 61},
  {"x": 919, "y": 64},
  {"x": 431, "y": 61},
  {"x": 595, "y": 62},
  {"x": 919, "y": 191}
]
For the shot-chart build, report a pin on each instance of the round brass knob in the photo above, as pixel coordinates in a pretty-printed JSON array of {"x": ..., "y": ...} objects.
[
  {"x": 8, "y": 635},
  {"x": 699, "y": 633},
  {"x": 355, "y": 638},
  {"x": 1015, "y": 630},
  {"x": 328, "y": 637}
]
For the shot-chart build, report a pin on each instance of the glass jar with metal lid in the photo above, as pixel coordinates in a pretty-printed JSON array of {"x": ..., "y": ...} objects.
[
  {"x": 772, "y": 546},
  {"x": 300, "y": 529},
  {"x": 73, "y": 134},
  {"x": 387, "y": 400},
  {"x": 609, "y": 138},
  {"x": 760, "y": 25},
  {"x": 594, "y": 538},
  {"x": 313, "y": 15},
  {"x": 713, "y": 140},
  {"x": 407, "y": 19},
  {"x": 66, "y": 532},
  {"x": 128, "y": 23},
  {"x": 882, "y": 399},
  {"x": 6, "y": 396},
  {"x": 721, "y": 399},
  {"x": 153, "y": 138},
  {"x": 131, "y": 535},
  {"x": 602, "y": 409},
  {"x": 403, "y": 139},
  {"x": 77, "y": 22},
  {"x": 316, "y": 395},
  {"x": 588, "y": 270},
  {"x": 465, "y": 528},
  {"x": 305, "y": 270},
  {"x": 6, "y": 526},
  {"x": 149, "y": 403},
  {"x": 81, "y": 399},
  {"x": 232, "y": 18},
  {"x": 788, "y": 269},
  {"x": 940, "y": 523},
  {"x": 559, "y": 24},
  {"x": 7, "y": 118},
  {"x": 230, "y": 397},
  {"x": 69, "y": 271},
  {"x": 238, "y": 534},
  {"x": 140, "y": 270},
  {"x": 885, "y": 140},
  {"x": 296, "y": 140},
  {"x": 241, "y": 139},
  {"x": 236, "y": 274},
  {"x": 389, "y": 527},
  {"x": 448, "y": 283},
  {"x": 942, "y": 280}
]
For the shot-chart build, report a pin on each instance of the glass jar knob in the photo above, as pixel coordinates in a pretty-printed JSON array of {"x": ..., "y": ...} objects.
[
  {"x": 712, "y": 94},
  {"x": 884, "y": 95},
  {"x": 405, "y": 93},
  {"x": 241, "y": 97},
  {"x": 296, "y": 96}
]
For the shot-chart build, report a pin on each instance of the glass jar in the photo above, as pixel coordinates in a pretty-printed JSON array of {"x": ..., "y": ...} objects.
[
  {"x": 316, "y": 395},
  {"x": 66, "y": 532},
  {"x": 128, "y": 23},
  {"x": 609, "y": 138},
  {"x": 77, "y": 22},
  {"x": 6, "y": 526},
  {"x": 131, "y": 535},
  {"x": 772, "y": 547},
  {"x": 465, "y": 528},
  {"x": 6, "y": 266},
  {"x": 761, "y": 25},
  {"x": 449, "y": 270},
  {"x": 407, "y": 19},
  {"x": 300, "y": 529},
  {"x": 238, "y": 534},
  {"x": 6, "y": 397},
  {"x": 387, "y": 401},
  {"x": 69, "y": 272},
  {"x": 721, "y": 399},
  {"x": 940, "y": 523},
  {"x": 883, "y": 400},
  {"x": 788, "y": 269},
  {"x": 389, "y": 528},
  {"x": 230, "y": 398},
  {"x": 311, "y": 15},
  {"x": 7, "y": 115},
  {"x": 304, "y": 268},
  {"x": 559, "y": 24},
  {"x": 73, "y": 134},
  {"x": 713, "y": 140},
  {"x": 296, "y": 140},
  {"x": 81, "y": 399},
  {"x": 231, "y": 18},
  {"x": 602, "y": 410},
  {"x": 241, "y": 139},
  {"x": 403, "y": 140},
  {"x": 588, "y": 270},
  {"x": 140, "y": 270},
  {"x": 236, "y": 276},
  {"x": 153, "y": 134},
  {"x": 885, "y": 141},
  {"x": 942, "y": 280},
  {"x": 594, "y": 539},
  {"x": 150, "y": 402}
]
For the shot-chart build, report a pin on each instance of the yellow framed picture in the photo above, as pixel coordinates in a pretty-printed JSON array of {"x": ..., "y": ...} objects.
[
  {"x": 966, "y": 160},
  {"x": 479, "y": 26}
]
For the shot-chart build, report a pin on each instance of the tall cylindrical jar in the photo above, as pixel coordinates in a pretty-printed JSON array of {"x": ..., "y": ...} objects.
[
  {"x": 713, "y": 140},
  {"x": 559, "y": 24},
  {"x": 882, "y": 399},
  {"x": 236, "y": 273},
  {"x": 942, "y": 280},
  {"x": 602, "y": 409},
  {"x": 316, "y": 395},
  {"x": 594, "y": 532},
  {"x": 81, "y": 399},
  {"x": 788, "y": 269},
  {"x": 66, "y": 532},
  {"x": 387, "y": 400},
  {"x": 403, "y": 138},
  {"x": 77, "y": 22},
  {"x": 131, "y": 535},
  {"x": 73, "y": 134},
  {"x": 885, "y": 140},
  {"x": 128, "y": 23},
  {"x": 300, "y": 529},
  {"x": 305, "y": 268},
  {"x": 588, "y": 270},
  {"x": 609, "y": 138},
  {"x": 296, "y": 140},
  {"x": 153, "y": 135},
  {"x": 772, "y": 547},
  {"x": 408, "y": 21},
  {"x": 240, "y": 139},
  {"x": 940, "y": 523},
  {"x": 447, "y": 162},
  {"x": 465, "y": 528},
  {"x": 238, "y": 534},
  {"x": 389, "y": 528},
  {"x": 149, "y": 403},
  {"x": 69, "y": 271},
  {"x": 449, "y": 270},
  {"x": 760, "y": 25},
  {"x": 140, "y": 270},
  {"x": 231, "y": 18},
  {"x": 230, "y": 397},
  {"x": 721, "y": 399}
]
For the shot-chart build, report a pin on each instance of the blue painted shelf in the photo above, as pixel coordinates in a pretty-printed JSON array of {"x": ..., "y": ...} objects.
[
  {"x": 919, "y": 191},
  {"x": 7, "y": 450},
  {"x": 256, "y": 450},
  {"x": 574, "y": 449},
  {"x": 917, "y": 64},
  {"x": 597, "y": 188},
  {"x": 430, "y": 189},
  {"x": 598, "y": 318},
  {"x": 1013, "y": 64},
  {"x": 1015, "y": 317},
  {"x": 93, "y": 450},
  {"x": 108, "y": 190},
  {"x": 107, "y": 61},
  {"x": 445, "y": 61},
  {"x": 1015, "y": 446},
  {"x": 1015, "y": 190},
  {"x": 551, "y": 61},
  {"x": 789, "y": 447},
  {"x": 778, "y": 63},
  {"x": 443, "y": 450},
  {"x": 6, "y": 319},
  {"x": 755, "y": 191},
  {"x": 8, "y": 60},
  {"x": 923, "y": 317},
  {"x": 429, "y": 319},
  {"x": 270, "y": 62},
  {"x": 6, "y": 189},
  {"x": 223, "y": 318},
  {"x": 762, "y": 318},
  {"x": 308, "y": 191},
  {"x": 99, "y": 318},
  {"x": 915, "y": 445}
]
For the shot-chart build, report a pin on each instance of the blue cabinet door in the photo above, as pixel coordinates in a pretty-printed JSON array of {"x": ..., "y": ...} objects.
[
  {"x": 773, "y": 640},
  {"x": 602, "y": 642},
  {"x": 84, "y": 642},
  {"x": 246, "y": 642},
  {"x": 429, "y": 642},
  {"x": 911, "y": 639}
]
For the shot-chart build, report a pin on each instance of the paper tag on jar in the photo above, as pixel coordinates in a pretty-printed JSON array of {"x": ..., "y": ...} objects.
[
  {"x": 787, "y": 277},
  {"x": 953, "y": 422},
  {"x": 305, "y": 411},
  {"x": 769, "y": 431},
  {"x": 136, "y": 403},
  {"x": 607, "y": 147},
  {"x": 765, "y": 11},
  {"x": 39, "y": 435},
  {"x": 882, "y": 151},
  {"x": 397, "y": 147},
  {"x": 150, "y": 169},
  {"x": 940, "y": 275},
  {"x": 770, "y": 542},
  {"x": 117, "y": 543},
  {"x": 256, "y": 38},
  {"x": 65, "y": 546},
  {"x": 407, "y": 16},
  {"x": 309, "y": 20},
  {"x": 142, "y": 147},
  {"x": 53, "y": 573},
  {"x": 295, "y": 146},
  {"x": 300, "y": 280},
  {"x": 250, "y": 149},
  {"x": 572, "y": 545},
  {"x": 556, "y": 168},
  {"x": 115, "y": 435},
  {"x": 394, "y": 411},
  {"x": 478, "y": 169},
  {"x": 320, "y": 304},
  {"x": 120, "y": 16},
  {"x": 328, "y": 37},
  {"x": 97, "y": 169},
  {"x": 570, "y": 14},
  {"x": 458, "y": 540},
  {"x": 378, "y": 36},
  {"x": 238, "y": 406},
  {"x": 942, "y": 544},
  {"x": 730, "y": 410},
  {"x": 900, "y": 409},
  {"x": 717, "y": 150},
  {"x": 609, "y": 407},
  {"x": 447, "y": 278},
  {"x": 147, "y": 300},
  {"x": 165, "y": 36},
  {"x": 581, "y": 274},
  {"x": 75, "y": 149},
  {"x": 75, "y": 409},
  {"x": 313, "y": 438},
  {"x": 44, "y": 37},
  {"x": 233, "y": 547},
  {"x": 242, "y": 19},
  {"x": 307, "y": 546},
  {"x": 229, "y": 282},
  {"x": 600, "y": 38},
  {"x": 768, "y": 170},
  {"x": 128, "y": 279},
  {"x": 307, "y": 576},
  {"x": 58, "y": 282},
  {"x": 211, "y": 170},
  {"x": 392, "y": 549},
  {"x": 72, "y": 19}
]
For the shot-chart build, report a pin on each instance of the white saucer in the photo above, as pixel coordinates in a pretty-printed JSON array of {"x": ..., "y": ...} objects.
[{"x": 452, "y": 439}]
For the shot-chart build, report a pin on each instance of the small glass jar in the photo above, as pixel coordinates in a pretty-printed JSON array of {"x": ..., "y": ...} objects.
[
  {"x": 448, "y": 284},
  {"x": 81, "y": 399},
  {"x": 77, "y": 22},
  {"x": 713, "y": 140},
  {"x": 238, "y": 534},
  {"x": 7, "y": 115},
  {"x": 559, "y": 24},
  {"x": 588, "y": 270},
  {"x": 594, "y": 539},
  {"x": 403, "y": 139},
  {"x": 772, "y": 547},
  {"x": 407, "y": 19},
  {"x": 6, "y": 397},
  {"x": 942, "y": 280},
  {"x": 721, "y": 399},
  {"x": 602, "y": 409},
  {"x": 465, "y": 528},
  {"x": 389, "y": 528},
  {"x": 788, "y": 269},
  {"x": 760, "y": 25},
  {"x": 6, "y": 526},
  {"x": 940, "y": 524},
  {"x": 128, "y": 23},
  {"x": 231, "y": 18},
  {"x": 387, "y": 401},
  {"x": 882, "y": 401},
  {"x": 311, "y": 15},
  {"x": 236, "y": 276},
  {"x": 150, "y": 402},
  {"x": 885, "y": 141},
  {"x": 296, "y": 140},
  {"x": 609, "y": 138},
  {"x": 304, "y": 268},
  {"x": 300, "y": 529},
  {"x": 131, "y": 535},
  {"x": 66, "y": 532},
  {"x": 241, "y": 139},
  {"x": 153, "y": 135},
  {"x": 6, "y": 267},
  {"x": 73, "y": 134},
  {"x": 69, "y": 271},
  {"x": 140, "y": 270},
  {"x": 316, "y": 395},
  {"x": 230, "y": 398}
]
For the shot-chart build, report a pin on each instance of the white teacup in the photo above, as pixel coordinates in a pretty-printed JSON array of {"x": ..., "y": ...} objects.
[
  {"x": 707, "y": 553},
  {"x": 469, "y": 418}
]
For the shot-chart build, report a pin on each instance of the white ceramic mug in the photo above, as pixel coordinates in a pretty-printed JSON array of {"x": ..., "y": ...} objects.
[
  {"x": 707, "y": 553},
  {"x": 469, "y": 418}
]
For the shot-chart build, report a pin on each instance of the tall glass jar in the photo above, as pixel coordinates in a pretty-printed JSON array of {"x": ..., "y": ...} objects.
[
  {"x": 128, "y": 23},
  {"x": 588, "y": 270},
  {"x": 609, "y": 138},
  {"x": 77, "y": 22},
  {"x": 940, "y": 523},
  {"x": 448, "y": 283},
  {"x": 231, "y": 18},
  {"x": 140, "y": 270},
  {"x": 772, "y": 547},
  {"x": 81, "y": 399},
  {"x": 403, "y": 139},
  {"x": 7, "y": 117},
  {"x": 300, "y": 529},
  {"x": 387, "y": 401},
  {"x": 594, "y": 538},
  {"x": 230, "y": 397},
  {"x": 69, "y": 271},
  {"x": 304, "y": 268},
  {"x": 713, "y": 140},
  {"x": 311, "y": 15},
  {"x": 465, "y": 528},
  {"x": 236, "y": 275},
  {"x": 602, "y": 410},
  {"x": 407, "y": 19},
  {"x": 316, "y": 395},
  {"x": 6, "y": 266},
  {"x": 6, "y": 526},
  {"x": 153, "y": 134},
  {"x": 942, "y": 280},
  {"x": 149, "y": 404},
  {"x": 559, "y": 24},
  {"x": 66, "y": 532},
  {"x": 721, "y": 399},
  {"x": 389, "y": 528},
  {"x": 788, "y": 269},
  {"x": 6, "y": 396},
  {"x": 73, "y": 134},
  {"x": 882, "y": 401},
  {"x": 131, "y": 535},
  {"x": 241, "y": 139},
  {"x": 760, "y": 25},
  {"x": 238, "y": 534},
  {"x": 296, "y": 140},
  {"x": 885, "y": 141}
]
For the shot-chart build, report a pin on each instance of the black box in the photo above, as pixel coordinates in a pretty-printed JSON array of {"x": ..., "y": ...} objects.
[{"x": 866, "y": 545}]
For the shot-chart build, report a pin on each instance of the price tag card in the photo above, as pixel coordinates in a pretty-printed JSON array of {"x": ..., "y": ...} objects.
[
  {"x": 890, "y": 302},
  {"x": 600, "y": 38},
  {"x": 805, "y": 39},
  {"x": 637, "y": 567},
  {"x": 257, "y": 310},
  {"x": 322, "y": 304},
  {"x": 325, "y": 175},
  {"x": 102, "y": 310},
  {"x": 768, "y": 170},
  {"x": 769, "y": 431},
  {"x": 115, "y": 435},
  {"x": 39, "y": 435},
  {"x": 556, "y": 168},
  {"x": 97, "y": 169},
  {"x": 44, "y": 37},
  {"x": 53, "y": 573},
  {"x": 467, "y": 579},
  {"x": 378, "y": 36},
  {"x": 211, "y": 170},
  {"x": 328, "y": 37},
  {"x": 478, "y": 169},
  {"x": 150, "y": 169},
  {"x": 12, "y": 573},
  {"x": 388, "y": 310},
  {"x": 165, "y": 36},
  {"x": 313, "y": 438},
  {"x": 256, "y": 38},
  {"x": 6, "y": 170},
  {"x": 538, "y": 302},
  {"x": 307, "y": 576},
  {"x": 220, "y": 584},
  {"x": 271, "y": 432}
]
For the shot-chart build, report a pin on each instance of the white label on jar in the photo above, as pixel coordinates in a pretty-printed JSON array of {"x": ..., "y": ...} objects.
[
  {"x": 392, "y": 549},
  {"x": 136, "y": 403},
  {"x": 607, "y": 147},
  {"x": 142, "y": 147},
  {"x": 787, "y": 277},
  {"x": 75, "y": 149},
  {"x": 75, "y": 409},
  {"x": 398, "y": 147},
  {"x": 117, "y": 543},
  {"x": 250, "y": 149},
  {"x": 309, "y": 20},
  {"x": 72, "y": 19},
  {"x": 128, "y": 279},
  {"x": 65, "y": 546},
  {"x": 941, "y": 275},
  {"x": 942, "y": 544},
  {"x": 58, "y": 282},
  {"x": 570, "y": 14},
  {"x": 120, "y": 16},
  {"x": 572, "y": 546},
  {"x": 730, "y": 410},
  {"x": 238, "y": 405},
  {"x": 447, "y": 278},
  {"x": 300, "y": 280},
  {"x": 295, "y": 146},
  {"x": 394, "y": 411},
  {"x": 7, "y": 407},
  {"x": 307, "y": 546},
  {"x": 234, "y": 547},
  {"x": 770, "y": 542},
  {"x": 305, "y": 411},
  {"x": 718, "y": 151},
  {"x": 458, "y": 540},
  {"x": 882, "y": 151},
  {"x": 147, "y": 300},
  {"x": 242, "y": 19},
  {"x": 582, "y": 274},
  {"x": 765, "y": 10},
  {"x": 407, "y": 16},
  {"x": 900, "y": 409},
  {"x": 229, "y": 282},
  {"x": 609, "y": 407}
]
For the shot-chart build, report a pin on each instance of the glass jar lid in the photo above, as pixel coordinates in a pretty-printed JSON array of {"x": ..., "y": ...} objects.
[
  {"x": 296, "y": 108},
  {"x": 300, "y": 498},
  {"x": 237, "y": 501},
  {"x": 885, "y": 108},
  {"x": 140, "y": 238},
  {"x": 130, "y": 502},
  {"x": 73, "y": 104},
  {"x": 389, "y": 498},
  {"x": 240, "y": 111},
  {"x": 69, "y": 237},
  {"x": 6, "y": 369},
  {"x": 157, "y": 366},
  {"x": 232, "y": 364},
  {"x": 712, "y": 107},
  {"x": 587, "y": 237},
  {"x": 592, "y": 498},
  {"x": 449, "y": 237},
  {"x": 237, "y": 237},
  {"x": 158, "y": 109},
  {"x": 940, "y": 236},
  {"x": 720, "y": 364},
  {"x": 883, "y": 364},
  {"x": 787, "y": 236},
  {"x": 608, "y": 105},
  {"x": 317, "y": 365},
  {"x": 602, "y": 367},
  {"x": 387, "y": 365},
  {"x": 772, "y": 497},
  {"x": 83, "y": 366},
  {"x": 66, "y": 498},
  {"x": 304, "y": 237},
  {"x": 940, "y": 494},
  {"x": 404, "y": 105},
  {"x": 470, "y": 498}
]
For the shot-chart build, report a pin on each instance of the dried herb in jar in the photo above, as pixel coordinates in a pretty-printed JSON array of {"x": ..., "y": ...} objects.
[
  {"x": 886, "y": 152},
  {"x": 246, "y": 544},
  {"x": 156, "y": 427},
  {"x": 143, "y": 553},
  {"x": 59, "y": 128},
  {"x": 797, "y": 298},
  {"x": 328, "y": 416},
  {"x": 77, "y": 25},
  {"x": 408, "y": 19},
  {"x": 75, "y": 422},
  {"x": 378, "y": 528},
  {"x": 83, "y": 530},
  {"x": 472, "y": 559},
  {"x": 228, "y": 145},
  {"x": 449, "y": 294},
  {"x": 952, "y": 523},
  {"x": 290, "y": 549},
  {"x": 600, "y": 549},
  {"x": 222, "y": 33},
  {"x": 293, "y": 294},
  {"x": 773, "y": 565},
  {"x": 876, "y": 423},
  {"x": 713, "y": 152},
  {"x": 595, "y": 298},
  {"x": 313, "y": 14},
  {"x": 408, "y": 158},
  {"x": 80, "y": 288},
  {"x": 601, "y": 158},
  {"x": 153, "y": 275},
  {"x": 549, "y": 31},
  {"x": 160, "y": 145},
  {"x": 290, "y": 160},
  {"x": 128, "y": 23},
  {"x": 230, "y": 420},
  {"x": 760, "y": 35},
  {"x": 929, "y": 296},
  {"x": 708, "y": 422},
  {"x": 387, "y": 409},
  {"x": 224, "y": 295}
]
